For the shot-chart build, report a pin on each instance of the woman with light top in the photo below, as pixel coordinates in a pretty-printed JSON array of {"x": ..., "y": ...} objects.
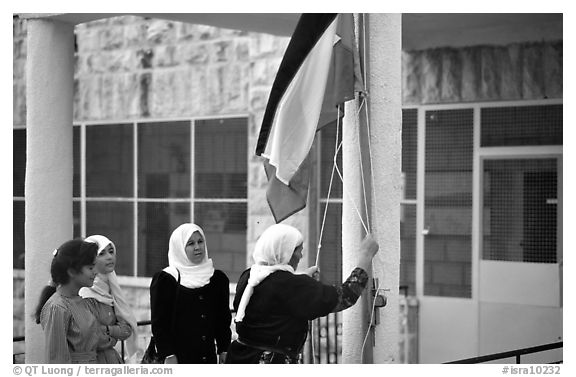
[
  {"x": 110, "y": 306},
  {"x": 189, "y": 300},
  {"x": 71, "y": 331}
]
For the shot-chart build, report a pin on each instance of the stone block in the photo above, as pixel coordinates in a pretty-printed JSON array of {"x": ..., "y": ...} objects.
[
  {"x": 164, "y": 56},
  {"x": 490, "y": 74},
  {"x": 257, "y": 176},
  {"x": 259, "y": 99},
  {"x": 183, "y": 92},
  {"x": 242, "y": 49},
  {"x": 232, "y": 33},
  {"x": 510, "y": 71},
  {"x": 199, "y": 89},
  {"x": 431, "y": 76},
  {"x": 185, "y": 32},
  {"x": 263, "y": 71},
  {"x": 266, "y": 45},
  {"x": 411, "y": 68},
  {"x": 19, "y": 28},
  {"x": 19, "y": 69},
  {"x": 145, "y": 58},
  {"x": 227, "y": 88},
  {"x": 112, "y": 38},
  {"x": 89, "y": 97},
  {"x": 87, "y": 39},
  {"x": 206, "y": 33},
  {"x": 162, "y": 95},
  {"x": 145, "y": 80},
  {"x": 18, "y": 309},
  {"x": 19, "y": 103},
  {"x": 451, "y": 80},
  {"x": 127, "y": 96},
  {"x": 125, "y": 60},
  {"x": 533, "y": 71},
  {"x": 94, "y": 63},
  {"x": 135, "y": 35},
  {"x": 19, "y": 48},
  {"x": 107, "y": 97},
  {"x": 161, "y": 32},
  {"x": 553, "y": 76},
  {"x": 222, "y": 51},
  {"x": 193, "y": 53},
  {"x": 470, "y": 74}
]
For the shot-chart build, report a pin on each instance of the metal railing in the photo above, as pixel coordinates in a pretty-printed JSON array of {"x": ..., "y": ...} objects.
[
  {"x": 515, "y": 353},
  {"x": 324, "y": 341}
]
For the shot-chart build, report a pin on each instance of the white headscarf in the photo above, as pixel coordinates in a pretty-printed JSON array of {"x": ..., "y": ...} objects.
[
  {"x": 191, "y": 276},
  {"x": 272, "y": 252},
  {"x": 106, "y": 290}
]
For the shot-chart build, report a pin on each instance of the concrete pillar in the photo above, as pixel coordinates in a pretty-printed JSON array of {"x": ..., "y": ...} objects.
[
  {"x": 48, "y": 188},
  {"x": 383, "y": 62}
]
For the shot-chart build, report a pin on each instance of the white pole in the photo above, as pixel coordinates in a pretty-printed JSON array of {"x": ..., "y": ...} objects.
[
  {"x": 385, "y": 103},
  {"x": 48, "y": 186},
  {"x": 383, "y": 64}
]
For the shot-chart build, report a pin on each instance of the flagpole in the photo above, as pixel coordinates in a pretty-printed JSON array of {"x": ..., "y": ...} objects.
[{"x": 354, "y": 320}]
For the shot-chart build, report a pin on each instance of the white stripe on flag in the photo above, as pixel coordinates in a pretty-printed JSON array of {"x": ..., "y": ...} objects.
[{"x": 292, "y": 132}]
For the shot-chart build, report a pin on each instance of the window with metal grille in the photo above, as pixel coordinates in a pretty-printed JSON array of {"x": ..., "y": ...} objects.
[
  {"x": 177, "y": 172},
  {"x": 448, "y": 203},
  {"x": 18, "y": 177},
  {"x": 220, "y": 190},
  {"x": 521, "y": 125},
  {"x": 409, "y": 151},
  {"x": 408, "y": 210},
  {"x": 330, "y": 259},
  {"x": 520, "y": 210}
]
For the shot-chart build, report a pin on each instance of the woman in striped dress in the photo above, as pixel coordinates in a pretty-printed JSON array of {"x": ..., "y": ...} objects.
[
  {"x": 71, "y": 331},
  {"x": 110, "y": 306}
]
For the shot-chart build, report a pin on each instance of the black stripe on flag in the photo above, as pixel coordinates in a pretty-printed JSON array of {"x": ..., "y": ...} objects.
[{"x": 308, "y": 31}]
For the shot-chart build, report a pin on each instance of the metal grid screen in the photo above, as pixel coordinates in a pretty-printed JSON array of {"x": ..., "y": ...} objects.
[
  {"x": 19, "y": 172},
  {"x": 448, "y": 203},
  {"x": 330, "y": 259},
  {"x": 409, "y": 151},
  {"x": 520, "y": 210},
  {"x": 521, "y": 125},
  {"x": 220, "y": 190}
]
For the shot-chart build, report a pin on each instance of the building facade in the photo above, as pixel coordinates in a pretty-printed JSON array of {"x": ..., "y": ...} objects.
[{"x": 166, "y": 116}]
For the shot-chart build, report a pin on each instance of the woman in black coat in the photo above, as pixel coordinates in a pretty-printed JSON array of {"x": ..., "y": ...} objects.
[
  {"x": 190, "y": 302},
  {"x": 274, "y": 304}
]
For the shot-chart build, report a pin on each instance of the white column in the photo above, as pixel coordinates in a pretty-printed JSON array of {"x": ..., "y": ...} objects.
[
  {"x": 383, "y": 54},
  {"x": 384, "y": 60},
  {"x": 48, "y": 188}
]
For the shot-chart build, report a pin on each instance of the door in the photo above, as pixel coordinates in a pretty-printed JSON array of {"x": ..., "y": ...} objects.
[{"x": 521, "y": 254}]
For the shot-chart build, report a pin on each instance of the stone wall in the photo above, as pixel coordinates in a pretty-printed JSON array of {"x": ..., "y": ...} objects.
[{"x": 520, "y": 71}]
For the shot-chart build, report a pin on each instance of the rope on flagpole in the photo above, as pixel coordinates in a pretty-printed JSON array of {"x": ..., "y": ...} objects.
[
  {"x": 364, "y": 105},
  {"x": 364, "y": 181},
  {"x": 350, "y": 198},
  {"x": 336, "y": 149}
]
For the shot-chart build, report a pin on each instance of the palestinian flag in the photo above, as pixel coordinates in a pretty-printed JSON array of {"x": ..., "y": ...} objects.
[{"x": 318, "y": 73}]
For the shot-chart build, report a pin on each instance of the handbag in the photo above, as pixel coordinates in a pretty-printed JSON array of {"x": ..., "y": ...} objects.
[{"x": 151, "y": 355}]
